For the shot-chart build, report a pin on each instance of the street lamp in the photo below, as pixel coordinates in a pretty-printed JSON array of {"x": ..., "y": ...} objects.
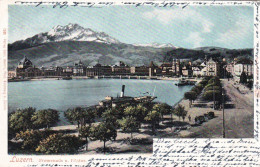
[
  {"x": 223, "y": 104},
  {"x": 214, "y": 94}
]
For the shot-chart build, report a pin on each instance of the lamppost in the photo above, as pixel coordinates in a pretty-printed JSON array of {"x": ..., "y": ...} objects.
[
  {"x": 214, "y": 94},
  {"x": 223, "y": 104}
]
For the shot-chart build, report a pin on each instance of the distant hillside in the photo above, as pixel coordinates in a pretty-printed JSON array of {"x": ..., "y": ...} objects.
[
  {"x": 67, "y": 52},
  {"x": 199, "y": 53}
]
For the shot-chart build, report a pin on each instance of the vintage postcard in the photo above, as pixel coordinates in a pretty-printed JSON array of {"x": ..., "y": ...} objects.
[{"x": 128, "y": 83}]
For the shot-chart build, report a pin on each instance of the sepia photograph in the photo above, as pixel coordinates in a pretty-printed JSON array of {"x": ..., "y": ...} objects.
[{"x": 109, "y": 80}]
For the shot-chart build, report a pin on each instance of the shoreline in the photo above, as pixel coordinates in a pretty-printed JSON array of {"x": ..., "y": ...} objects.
[{"x": 108, "y": 77}]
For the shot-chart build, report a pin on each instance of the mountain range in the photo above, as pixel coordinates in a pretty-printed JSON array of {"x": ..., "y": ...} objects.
[{"x": 65, "y": 45}]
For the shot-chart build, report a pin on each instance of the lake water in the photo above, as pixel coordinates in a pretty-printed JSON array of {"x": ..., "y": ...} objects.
[{"x": 64, "y": 94}]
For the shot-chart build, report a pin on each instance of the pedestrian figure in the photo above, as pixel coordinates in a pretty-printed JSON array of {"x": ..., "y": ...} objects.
[{"x": 189, "y": 118}]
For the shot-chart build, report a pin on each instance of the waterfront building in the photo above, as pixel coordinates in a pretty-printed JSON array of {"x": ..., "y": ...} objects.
[
  {"x": 121, "y": 69},
  {"x": 68, "y": 71},
  {"x": 196, "y": 70},
  {"x": 186, "y": 70},
  {"x": 106, "y": 70},
  {"x": 152, "y": 69},
  {"x": 243, "y": 65},
  {"x": 33, "y": 72},
  {"x": 79, "y": 69},
  {"x": 52, "y": 71},
  {"x": 11, "y": 74},
  {"x": 96, "y": 70},
  {"x": 24, "y": 63},
  {"x": 140, "y": 71},
  {"x": 25, "y": 68},
  {"x": 167, "y": 69},
  {"x": 176, "y": 67}
]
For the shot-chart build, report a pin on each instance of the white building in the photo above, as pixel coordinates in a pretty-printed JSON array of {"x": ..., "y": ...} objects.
[
  {"x": 196, "y": 70},
  {"x": 212, "y": 68},
  {"x": 244, "y": 65}
]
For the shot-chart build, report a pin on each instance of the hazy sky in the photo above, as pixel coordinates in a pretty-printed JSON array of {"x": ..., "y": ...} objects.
[{"x": 193, "y": 26}]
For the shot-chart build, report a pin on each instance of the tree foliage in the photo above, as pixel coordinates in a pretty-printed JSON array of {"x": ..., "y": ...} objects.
[
  {"x": 243, "y": 78},
  {"x": 85, "y": 132},
  {"x": 80, "y": 115},
  {"x": 59, "y": 143},
  {"x": 104, "y": 132},
  {"x": 191, "y": 95},
  {"x": 138, "y": 112},
  {"x": 162, "y": 108},
  {"x": 153, "y": 118},
  {"x": 21, "y": 119},
  {"x": 45, "y": 118},
  {"x": 129, "y": 124},
  {"x": 210, "y": 95},
  {"x": 30, "y": 139},
  {"x": 214, "y": 80},
  {"x": 110, "y": 117},
  {"x": 180, "y": 111}
]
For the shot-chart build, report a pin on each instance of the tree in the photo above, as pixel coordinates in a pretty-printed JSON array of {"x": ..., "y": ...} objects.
[
  {"x": 196, "y": 89},
  {"x": 180, "y": 111},
  {"x": 103, "y": 132},
  {"x": 214, "y": 80},
  {"x": 73, "y": 115},
  {"x": 213, "y": 88},
  {"x": 21, "y": 119},
  {"x": 89, "y": 116},
  {"x": 59, "y": 143},
  {"x": 138, "y": 112},
  {"x": 129, "y": 124},
  {"x": 191, "y": 96},
  {"x": 211, "y": 95},
  {"x": 243, "y": 78},
  {"x": 142, "y": 112},
  {"x": 80, "y": 115},
  {"x": 131, "y": 111},
  {"x": 153, "y": 118},
  {"x": 162, "y": 108},
  {"x": 45, "y": 118},
  {"x": 250, "y": 84},
  {"x": 121, "y": 110},
  {"x": 110, "y": 117},
  {"x": 85, "y": 132},
  {"x": 100, "y": 110},
  {"x": 30, "y": 139}
]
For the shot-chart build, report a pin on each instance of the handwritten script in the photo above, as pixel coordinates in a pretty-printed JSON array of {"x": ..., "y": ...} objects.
[
  {"x": 170, "y": 152},
  {"x": 65, "y": 4}
]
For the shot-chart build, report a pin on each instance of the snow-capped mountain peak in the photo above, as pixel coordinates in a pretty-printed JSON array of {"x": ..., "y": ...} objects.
[
  {"x": 70, "y": 32},
  {"x": 75, "y": 32}
]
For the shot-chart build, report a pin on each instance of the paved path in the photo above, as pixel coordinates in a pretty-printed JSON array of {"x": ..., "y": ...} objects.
[{"x": 239, "y": 121}]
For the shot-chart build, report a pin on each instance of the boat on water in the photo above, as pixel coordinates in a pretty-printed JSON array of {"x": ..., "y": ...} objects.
[
  {"x": 183, "y": 82},
  {"x": 67, "y": 78}
]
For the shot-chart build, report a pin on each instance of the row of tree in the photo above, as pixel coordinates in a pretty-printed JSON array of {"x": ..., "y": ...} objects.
[
  {"x": 127, "y": 117},
  {"x": 213, "y": 91},
  {"x": 29, "y": 118},
  {"x": 93, "y": 124},
  {"x": 48, "y": 141},
  {"x": 196, "y": 90}
]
